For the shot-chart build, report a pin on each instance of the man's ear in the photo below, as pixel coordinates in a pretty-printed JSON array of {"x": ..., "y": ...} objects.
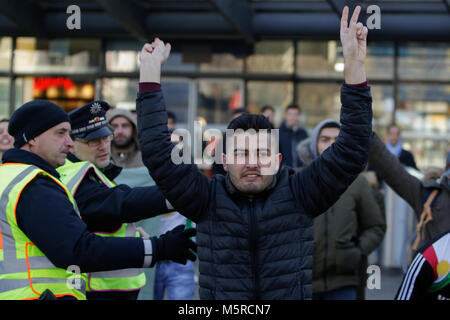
[
  {"x": 224, "y": 162},
  {"x": 32, "y": 142}
]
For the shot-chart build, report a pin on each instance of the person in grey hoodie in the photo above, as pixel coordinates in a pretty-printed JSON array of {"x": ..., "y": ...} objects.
[{"x": 347, "y": 232}]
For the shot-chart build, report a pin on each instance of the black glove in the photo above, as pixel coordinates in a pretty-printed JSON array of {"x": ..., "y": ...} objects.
[{"x": 175, "y": 245}]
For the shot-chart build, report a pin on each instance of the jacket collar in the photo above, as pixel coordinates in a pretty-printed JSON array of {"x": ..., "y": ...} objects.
[
  {"x": 111, "y": 171},
  {"x": 15, "y": 155}
]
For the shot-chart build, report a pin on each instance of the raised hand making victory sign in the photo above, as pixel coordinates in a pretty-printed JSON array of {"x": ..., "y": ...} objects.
[{"x": 354, "y": 45}]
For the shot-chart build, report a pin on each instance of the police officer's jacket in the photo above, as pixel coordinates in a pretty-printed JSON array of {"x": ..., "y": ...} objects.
[
  {"x": 48, "y": 219},
  {"x": 105, "y": 209}
]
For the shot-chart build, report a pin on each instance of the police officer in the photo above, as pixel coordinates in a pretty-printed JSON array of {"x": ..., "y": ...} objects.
[
  {"x": 107, "y": 208},
  {"x": 41, "y": 230}
]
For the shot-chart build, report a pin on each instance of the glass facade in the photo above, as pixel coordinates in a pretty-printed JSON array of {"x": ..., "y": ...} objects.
[{"x": 410, "y": 82}]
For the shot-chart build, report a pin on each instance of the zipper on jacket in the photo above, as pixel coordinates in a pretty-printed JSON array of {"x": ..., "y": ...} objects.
[{"x": 253, "y": 249}]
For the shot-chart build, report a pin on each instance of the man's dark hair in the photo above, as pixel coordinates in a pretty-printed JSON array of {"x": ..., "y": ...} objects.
[
  {"x": 238, "y": 110},
  {"x": 4, "y": 120},
  {"x": 267, "y": 107},
  {"x": 293, "y": 106},
  {"x": 393, "y": 126},
  {"x": 331, "y": 125},
  {"x": 171, "y": 115},
  {"x": 250, "y": 121}
]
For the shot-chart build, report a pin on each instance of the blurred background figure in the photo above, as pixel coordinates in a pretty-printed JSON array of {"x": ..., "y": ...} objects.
[
  {"x": 171, "y": 119},
  {"x": 126, "y": 154},
  {"x": 290, "y": 136},
  {"x": 394, "y": 144},
  {"x": 124, "y": 147},
  {"x": 268, "y": 112},
  {"x": 173, "y": 280},
  {"x": 347, "y": 233},
  {"x": 6, "y": 141}
]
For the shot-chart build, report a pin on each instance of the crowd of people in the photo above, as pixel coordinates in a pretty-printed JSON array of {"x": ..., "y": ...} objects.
[{"x": 295, "y": 224}]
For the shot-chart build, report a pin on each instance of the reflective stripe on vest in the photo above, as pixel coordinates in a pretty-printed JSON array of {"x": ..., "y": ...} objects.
[
  {"x": 72, "y": 174},
  {"x": 25, "y": 272}
]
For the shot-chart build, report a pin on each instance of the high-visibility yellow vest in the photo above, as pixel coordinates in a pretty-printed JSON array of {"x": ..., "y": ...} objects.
[
  {"x": 25, "y": 272},
  {"x": 72, "y": 174}
]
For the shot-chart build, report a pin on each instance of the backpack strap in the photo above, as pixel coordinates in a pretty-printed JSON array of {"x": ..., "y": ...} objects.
[{"x": 425, "y": 217}]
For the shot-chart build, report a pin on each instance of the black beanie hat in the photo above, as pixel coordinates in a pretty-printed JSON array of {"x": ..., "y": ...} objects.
[{"x": 34, "y": 118}]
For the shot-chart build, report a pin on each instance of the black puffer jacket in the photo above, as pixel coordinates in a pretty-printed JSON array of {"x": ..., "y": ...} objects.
[{"x": 257, "y": 248}]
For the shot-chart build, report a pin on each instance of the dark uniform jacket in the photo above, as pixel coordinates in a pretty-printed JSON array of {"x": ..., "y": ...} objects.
[
  {"x": 105, "y": 209},
  {"x": 261, "y": 247},
  {"x": 46, "y": 216}
]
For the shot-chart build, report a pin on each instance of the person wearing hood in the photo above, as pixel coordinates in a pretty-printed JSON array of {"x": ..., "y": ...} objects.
[
  {"x": 347, "y": 232},
  {"x": 124, "y": 147},
  {"x": 6, "y": 141}
]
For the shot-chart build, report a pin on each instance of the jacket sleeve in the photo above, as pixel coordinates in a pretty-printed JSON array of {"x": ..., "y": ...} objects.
[
  {"x": 121, "y": 204},
  {"x": 56, "y": 229},
  {"x": 389, "y": 168},
  {"x": 184, "y": 186},
  {"x": 321, "y": 183},
  {"x": 371, "y": 224}
]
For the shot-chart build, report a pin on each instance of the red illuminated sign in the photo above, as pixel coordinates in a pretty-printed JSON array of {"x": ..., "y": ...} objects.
[{"x": 43, "y": 83}]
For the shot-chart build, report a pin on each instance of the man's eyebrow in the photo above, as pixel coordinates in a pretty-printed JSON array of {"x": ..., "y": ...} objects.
[{"x": 325, "y": 136}]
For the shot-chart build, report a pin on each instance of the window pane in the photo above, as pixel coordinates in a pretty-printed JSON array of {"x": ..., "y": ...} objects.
[
  {"x": 323, "y": 101},
  {"x": 382, "y": 106},
  {"x": 424, "y": 61},
  {"x": 57, "y": 56},
  {"x": 5, "y": 53},
  {"x": 423, "y": 114},
  {"x": 272, "y": 57},
  {"x": 318, "y": 59},
  {"x": 120, "y": 93},
  {"x": 380, "y": 61},
  {"x": 4, "y": 98},
  {"x": 318, "y": 102},
  {"x": 275, "y": 94},
  {"x": 217, "y": 99},
  {"x": 199, "y": 58},
  {"x": 176, "y": 97},
  {"x": 122, "y": 55},
  {"x": 66, "y": 92}
]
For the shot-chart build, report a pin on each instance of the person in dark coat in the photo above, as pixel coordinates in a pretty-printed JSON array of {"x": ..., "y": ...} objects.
[
  {"x": 46, "y": 215},
  {"x": 255, "y": 238},
  {"x": 290, "y": 136},
  {"x": 395, "y": 146},
  {"x": 347, "y": 232}
]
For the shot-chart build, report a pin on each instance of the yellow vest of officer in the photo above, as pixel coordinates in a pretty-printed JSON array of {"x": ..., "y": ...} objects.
[
  {"x": 72, "y": 174},
  {"x": 25, "y": 272}
]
